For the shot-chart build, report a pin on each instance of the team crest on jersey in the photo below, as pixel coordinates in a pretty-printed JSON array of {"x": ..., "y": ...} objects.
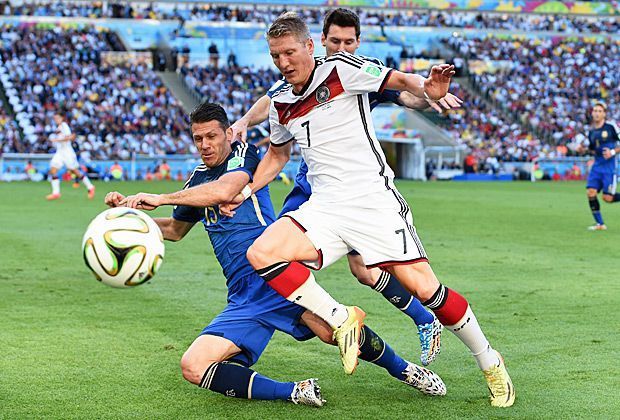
[
  {"x": 235, "y": 162},
  {"x": 322, "y": 94},
  {"x": 604, "y": 134}
]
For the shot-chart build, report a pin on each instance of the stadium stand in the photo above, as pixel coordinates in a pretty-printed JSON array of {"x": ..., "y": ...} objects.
[
  {"x": 548, "y": 84},
  {"x": 264, "y": 14},
  {"x": 490, "y": 135},
  {"x": 236, "y": 88},
  {"x": 114, "y": 109},
  {"x": 532, "y": 103}
]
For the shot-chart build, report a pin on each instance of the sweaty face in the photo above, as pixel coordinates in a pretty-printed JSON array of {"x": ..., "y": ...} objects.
[
  {"x": 212, "y": 142},
  {"x": 340, "y": 38},
  {"x": 598, "y": 114},
  {"x": 293, "y": 58}
]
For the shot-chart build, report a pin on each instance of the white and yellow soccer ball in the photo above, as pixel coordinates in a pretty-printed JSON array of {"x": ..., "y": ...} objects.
[{"x": 123, "y": 247}]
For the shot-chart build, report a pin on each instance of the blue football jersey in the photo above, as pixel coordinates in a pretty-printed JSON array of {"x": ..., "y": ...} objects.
[
  {"x": 231, "y": 238},
  {"x": 605, "y": 137}
]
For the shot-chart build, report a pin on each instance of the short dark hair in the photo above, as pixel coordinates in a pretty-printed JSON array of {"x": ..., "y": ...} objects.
[
  {"x": 208, "y": 111},
  {"x": 342, "y": 17},
  {"x": 289, "y": 23}
]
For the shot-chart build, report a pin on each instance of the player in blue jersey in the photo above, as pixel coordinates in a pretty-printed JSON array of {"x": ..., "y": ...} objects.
[
  {"x": 220, "y": 358},
  {"x": 603, "y": 144},
  {"x": 341, "y": 32}
]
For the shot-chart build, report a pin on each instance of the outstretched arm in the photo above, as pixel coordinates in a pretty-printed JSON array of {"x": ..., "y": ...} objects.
[
  {"x": 272, "y": 164},
  {"x": 256, "y": 115},
  {"x": 213, "y": 193},
  {"x": 434, "y": 87},
  {"x": 411, "y": 101},
  {"x": 171, "y": 229}
]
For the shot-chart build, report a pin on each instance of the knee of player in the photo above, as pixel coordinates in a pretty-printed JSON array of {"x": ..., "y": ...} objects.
[
  {"x": 364, "y": 277},
  {"x": 193, "y": 368},
  {"x": 259, "y": 254},
  {"x": 608, "y": 198},
  {"x": 426, "y": 288},
  {"x": 591, "y": 193}
]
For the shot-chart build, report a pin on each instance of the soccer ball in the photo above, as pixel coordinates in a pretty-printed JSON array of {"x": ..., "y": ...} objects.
[{"x": 123, "y": 247}]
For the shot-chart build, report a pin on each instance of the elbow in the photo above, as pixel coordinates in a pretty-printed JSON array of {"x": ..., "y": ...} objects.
[
  {"x": 173, "y": 238},
  {"x": 226, "y": 195}
]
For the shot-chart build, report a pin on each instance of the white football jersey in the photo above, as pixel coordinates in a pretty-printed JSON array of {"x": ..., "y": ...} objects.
[
  {"x": 330, "y": 120},
  {"x": 62, "y": 131}
]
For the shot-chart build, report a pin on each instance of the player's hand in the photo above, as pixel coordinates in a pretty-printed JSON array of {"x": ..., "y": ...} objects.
[
  {"x": 608, "y": 154},
  {"x": 113, "y": 199},
  {"x": 240, "y": 130},
  {"x": 449, "y": 101},
  {"x": 437, "y": 83},
  {"x": 142, "y": 201},
  {"x": 228, "y": 209}
]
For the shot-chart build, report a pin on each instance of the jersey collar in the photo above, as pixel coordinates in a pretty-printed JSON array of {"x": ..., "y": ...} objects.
[{"x": 308, "y": 83}]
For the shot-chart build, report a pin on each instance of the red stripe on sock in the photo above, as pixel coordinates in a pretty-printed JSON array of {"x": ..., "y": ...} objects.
[
  {"x": 453, "y": 309},
  {"x": 290, "y": 279}
]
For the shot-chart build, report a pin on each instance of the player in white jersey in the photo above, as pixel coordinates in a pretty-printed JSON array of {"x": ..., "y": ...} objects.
[
  {"x": 354, "y": 204},
  {"x": 341, "y": 32},
  {"x": 65, "y": 156}
]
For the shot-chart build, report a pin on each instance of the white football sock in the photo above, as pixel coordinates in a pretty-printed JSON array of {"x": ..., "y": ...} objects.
[
  {"x": 314, "y": 298},
  {"x": 87, "y": 182},
  {"x": 469, "y": 332},
  {"x": 55, "y": 186}
]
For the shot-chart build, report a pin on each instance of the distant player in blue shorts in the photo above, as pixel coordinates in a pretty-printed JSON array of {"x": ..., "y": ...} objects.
[
  {"x": 220, "y": 358},
  {"x": 603, "y": 144},
  {"x": 341, "y": 32}
]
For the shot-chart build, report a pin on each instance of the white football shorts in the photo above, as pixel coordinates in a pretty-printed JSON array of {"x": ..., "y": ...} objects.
[
  {"x": 67, "y": 159},
  {"x": 378, "y": 226}
]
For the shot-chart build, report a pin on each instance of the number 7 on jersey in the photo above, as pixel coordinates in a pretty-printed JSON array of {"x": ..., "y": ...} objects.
[{"x": 307, "y": 125}]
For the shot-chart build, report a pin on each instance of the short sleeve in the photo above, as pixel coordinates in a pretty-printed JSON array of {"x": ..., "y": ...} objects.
[
  {"x": 279, "y": 134},
  {"x": 359, "y": 75},
  {"x": 245, "y": 157},
  {"x": 388, "y": 95},
  {"x": 187, "y": 214},
  {"x": 614, "y": 132}
]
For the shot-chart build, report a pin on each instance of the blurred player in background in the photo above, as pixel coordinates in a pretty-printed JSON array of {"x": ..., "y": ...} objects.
[
  {"x": 219, "y": 359},
  {"x": 604, "y": 145},
  {"x": 341, "y": 32},
  {"x": 65, "y": 156}
]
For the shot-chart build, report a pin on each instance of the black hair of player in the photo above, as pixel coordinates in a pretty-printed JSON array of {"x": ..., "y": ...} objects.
[
  {"x": 602, "y": 105},
  {"x": 342, "y": 17},
  {"x": 208, "y": 111},
  {"x": 61, "y": 112}
]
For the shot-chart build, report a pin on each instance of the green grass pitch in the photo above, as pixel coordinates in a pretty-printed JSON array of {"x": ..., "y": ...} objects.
[{"x": 544, "y": 289}]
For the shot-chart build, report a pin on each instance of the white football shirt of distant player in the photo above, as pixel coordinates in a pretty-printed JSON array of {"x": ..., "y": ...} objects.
[
  {"x": 63, "y": 147},
  {"x": 331, "y": 122}
]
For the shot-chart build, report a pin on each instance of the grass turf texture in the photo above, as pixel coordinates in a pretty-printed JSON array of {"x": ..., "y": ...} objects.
[{"x": 544, "y": 290}]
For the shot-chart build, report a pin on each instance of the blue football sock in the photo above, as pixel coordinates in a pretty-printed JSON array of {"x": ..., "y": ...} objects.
[
  {"x": 596, "y": 210},
  {"x": 242, "y": 382},
  {"x": 264, "y": 388},
  {"x": 397, "y": 295},
  {"x": 374, "y": 350}
]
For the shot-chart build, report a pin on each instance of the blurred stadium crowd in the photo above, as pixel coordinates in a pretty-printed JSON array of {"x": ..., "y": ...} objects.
[
  {"x": 534, "y": 103},
  {"x": 113, "y": 109},
  {"x": 266, "y": 14}
]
